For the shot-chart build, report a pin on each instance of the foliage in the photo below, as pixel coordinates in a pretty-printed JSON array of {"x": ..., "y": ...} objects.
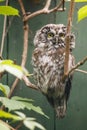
[
  {"x": 8, "y": 10},
  {"x": 3, "y": 126},
  {"x": 11, "y": 67},
  {"x": 82, "y": 12},
  {"x": 2, "y": 0},
  {"x": 29, "y": 122},
  {"x": 18, "y": 103},
  {"x": 5, "y": 89},
  {"x": 15, "y": 103},
  {"x": 78, "y": 0}
]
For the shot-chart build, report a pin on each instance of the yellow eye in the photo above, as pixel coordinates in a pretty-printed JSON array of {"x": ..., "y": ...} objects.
[
  {"x": 62, "y": 35},
  {"x": 49, "y": 35}
]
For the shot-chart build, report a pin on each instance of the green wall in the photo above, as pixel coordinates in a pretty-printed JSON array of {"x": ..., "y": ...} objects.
[{"x": 76, "y": 118}]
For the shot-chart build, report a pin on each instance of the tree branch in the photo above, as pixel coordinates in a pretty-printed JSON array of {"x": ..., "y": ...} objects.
[
  {"x": 57, "y": 8},
  {"x": 47, "y": 5},
  {"x": 46, "y": 10},
  {"x": 22, "y": 7},
  {"x": 67, "y": 50},
  {"x": 24, "y": 54},
  {"x": 78, "y": 64},
  {"x": 13, "y": 87},
  {"x": 26, "y": 29},
  {"x": 19, "y": 125},
  {"x": 29, "y": 84}
]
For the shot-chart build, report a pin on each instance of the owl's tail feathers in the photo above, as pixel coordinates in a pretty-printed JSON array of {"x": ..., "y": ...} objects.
[
  {"x": 59, "y": 104},
  {"x": 61, "y": 109}
]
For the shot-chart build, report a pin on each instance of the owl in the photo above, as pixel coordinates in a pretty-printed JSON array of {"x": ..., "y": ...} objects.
[{"x": 48, "y": 65}]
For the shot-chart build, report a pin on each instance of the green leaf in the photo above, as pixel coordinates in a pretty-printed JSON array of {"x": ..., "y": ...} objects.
[
  {"x": 8, "y": 10},
  {"x": 22, "y": 99},
  {"x": 15, "y": 104},
  {"x": 20, "y": 114},
  {"x": 78, "y": 0},
  {"x": 16, "y": 70},
  {"x": 31, "y": 124},
  {"x": 28, "y": 104},
  {"x": 82, "y": 13},
  {"x": 5, "y": 89},
  {"x": 8, "y": 115},
  {"x": 12, "y": 104},
  {"x": 37, "y": 109},
  {"x": 2, "y": 0},
  {"x": 3, "y": 126}
]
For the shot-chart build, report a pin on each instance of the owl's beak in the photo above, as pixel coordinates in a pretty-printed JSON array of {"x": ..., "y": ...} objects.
[{"x": 55, "y": 40}]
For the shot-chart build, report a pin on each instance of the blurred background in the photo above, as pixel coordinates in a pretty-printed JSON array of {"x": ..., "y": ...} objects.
[{"x": 76, "y": 117}]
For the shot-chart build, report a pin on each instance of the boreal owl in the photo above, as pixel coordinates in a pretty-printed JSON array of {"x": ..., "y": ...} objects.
[{"x": 48, "y": 65}]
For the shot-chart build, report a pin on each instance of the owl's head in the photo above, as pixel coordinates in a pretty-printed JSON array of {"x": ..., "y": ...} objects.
[{"x": 53, "y": 35}]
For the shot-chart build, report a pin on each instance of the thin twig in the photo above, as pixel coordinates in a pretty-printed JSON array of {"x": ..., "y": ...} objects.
[
  {"x": 19, "y": 125},
  {"x": 57, "y": 8},
  {"x": 82, "y": 71},
  {"x": 3, "y": 34},
  {"x": 9, "y": 25},
  {"x": 47, "y": 5},
  {"x": 24, "y": 55},
  {"x": 14, "y": 85},
  {"x": 78, "y": 65},
  {"x": 10, "y": 127},
  {"x": 22, "y": 7},
  {"x": 46, "y": 10}
]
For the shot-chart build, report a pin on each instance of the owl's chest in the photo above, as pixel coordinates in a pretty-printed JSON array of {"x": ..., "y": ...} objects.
[
  {"x": 48, "y": 69},
  {"x": 49, "y": 58},
  {"x": 48, "y": 62}
]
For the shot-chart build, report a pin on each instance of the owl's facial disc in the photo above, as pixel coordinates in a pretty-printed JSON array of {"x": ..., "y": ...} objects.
[{"x": 52, "y": 35}]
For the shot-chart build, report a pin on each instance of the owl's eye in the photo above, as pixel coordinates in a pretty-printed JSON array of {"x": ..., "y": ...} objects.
[
  {"x": 49, "y": 35},
  {"x": 62, "y": 35}
]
